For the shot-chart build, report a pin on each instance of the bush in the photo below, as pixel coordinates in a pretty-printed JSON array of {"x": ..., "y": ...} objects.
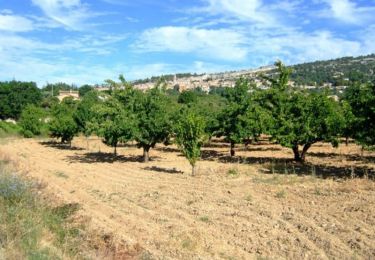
[{"x": 31, "y": 121}]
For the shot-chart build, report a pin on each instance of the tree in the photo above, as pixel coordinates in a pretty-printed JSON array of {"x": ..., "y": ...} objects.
[
  {"x": 85, "y": 113},
  {"x": 55, "y": 88},
  {"x": 242, "y": 118},
  {"x": 84, "y": 89},
  {"x": 153, "y": 119},
  {"x": 15, "y": 96},
  {"x": 348, "y": 130},
  {"x": 188, "y": 97},
  {"x": 190, "y": 136},
  {"x": 361, "y": 98},
  {"x": 301, "y": 118},
  {"x": 31, "y": 121},
  {"x": 113, "y": 122},
  {"x": 62, "y": 124}
]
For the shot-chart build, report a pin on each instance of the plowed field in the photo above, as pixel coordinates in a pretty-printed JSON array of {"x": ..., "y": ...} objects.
[{"x": 258, "y": 206}]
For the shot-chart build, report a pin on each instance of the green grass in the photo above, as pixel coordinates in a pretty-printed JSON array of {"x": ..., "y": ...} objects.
[
  {"x": 29, "y": 228},
  {"x": 9, "y": 129}
]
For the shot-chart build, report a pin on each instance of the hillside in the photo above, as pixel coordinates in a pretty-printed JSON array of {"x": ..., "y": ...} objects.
[{"x": 337, "y": 72}]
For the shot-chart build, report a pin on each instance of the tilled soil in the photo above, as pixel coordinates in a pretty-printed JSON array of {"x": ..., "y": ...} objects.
[{"x": 232, "y": 209}]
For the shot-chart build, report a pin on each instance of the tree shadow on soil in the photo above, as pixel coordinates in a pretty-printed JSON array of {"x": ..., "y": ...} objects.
[
  {"x": 163, "y": 170},
  {"x": 60, "y": 146},
  {"x": 279, "y": 165},
  {"x": 167, "y": 149},
  {"x": 352, "y": 157},
  {"x": 257, "y": 148},
  {"x": 104, "y": 158}
]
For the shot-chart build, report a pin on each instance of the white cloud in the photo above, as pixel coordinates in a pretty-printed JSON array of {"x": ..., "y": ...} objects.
[
  {"x": 15, "y": 23},
  {"x": 343, "y": 10},
  {"x": 295, "y": 47},
  {"x": 71, "y": 14},
  {"x": 222, "y": 44},
  {"x": 350, "y": 12},
  {"x": 254, "y": 11}
]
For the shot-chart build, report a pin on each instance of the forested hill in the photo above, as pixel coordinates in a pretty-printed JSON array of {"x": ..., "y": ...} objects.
[{"x": 339, "y": 72}]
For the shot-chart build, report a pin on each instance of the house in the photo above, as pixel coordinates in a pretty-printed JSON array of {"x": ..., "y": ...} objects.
[{"x": 70, "y": 93}]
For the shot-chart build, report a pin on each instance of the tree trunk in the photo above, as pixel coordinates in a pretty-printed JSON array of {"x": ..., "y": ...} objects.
[
  {"x": 232, "y": 152},
  {"x": 87, "y": 143},
  {"x": 306, "y": 147},
  {"x": 115, "y": 150},
  {"x": 346, "y": 141},
  {"x": 297, "y": 156},
  {"x": 193, "y": 170},
  {"x": 300, "y": 156},
  {"x": 146, "y": 157}
]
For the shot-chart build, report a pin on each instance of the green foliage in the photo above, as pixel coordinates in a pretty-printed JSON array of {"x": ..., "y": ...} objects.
[
  {"x": 190, "y": 136},
  {"x": 84, "y": 114},
  {"x": 361, "y": 99},
  {"x": 243, "y": 117},
  {"x": 15, "y": 96},
  {"x": 154, "y": 113},
  {"x": 113, "y": 122},
  {"x": 301, "y": 118},
  {"x": 85, "y": 89},
  {"x": 55, "y": 88},
  {"x": 62, "y": 124},
  {"x": 187, "y": 97},
  {"x": 49, "y": 102},
  {"x": 349, "y": 127},
  {"x": 31, "y": 121}
]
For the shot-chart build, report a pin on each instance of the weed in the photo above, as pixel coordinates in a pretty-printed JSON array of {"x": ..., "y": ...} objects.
[
  {"x": 249, "y": 198},
  {"x": 61, "y": 175},
  {"x": 204, "y": 219},
  {"x": 232, "y": 172},
  {"x": 318, "y": 192},
  {"x": 280, "y": 194}
]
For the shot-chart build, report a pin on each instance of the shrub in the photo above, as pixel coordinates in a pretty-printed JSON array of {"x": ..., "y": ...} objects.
[{"x": 31, "y": 121}]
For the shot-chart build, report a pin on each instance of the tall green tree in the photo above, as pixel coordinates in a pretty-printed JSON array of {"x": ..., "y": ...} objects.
[
  {"x": 113, "y": 122},
  {"x": 242, "y": 118},
  {"x": 301, "y": 119},
  {"x": 153, "y": 119},
  {"x": 190, "y": 136},
  {"x": 84, "y": 114},
  {"x": 15, "y": 96},
  {"x": 361, "y": 98}
]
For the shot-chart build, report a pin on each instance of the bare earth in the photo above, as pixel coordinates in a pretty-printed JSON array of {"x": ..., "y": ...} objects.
[{"x": 162, "y": 212}]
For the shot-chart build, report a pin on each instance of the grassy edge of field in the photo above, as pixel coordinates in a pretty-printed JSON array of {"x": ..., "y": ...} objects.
[
  {"x": 32, "y": 227},
  {"x": 29, "y": 227}
]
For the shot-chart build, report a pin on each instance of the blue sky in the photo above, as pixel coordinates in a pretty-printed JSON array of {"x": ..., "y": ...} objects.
[{"x": 82, "y": 41}]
